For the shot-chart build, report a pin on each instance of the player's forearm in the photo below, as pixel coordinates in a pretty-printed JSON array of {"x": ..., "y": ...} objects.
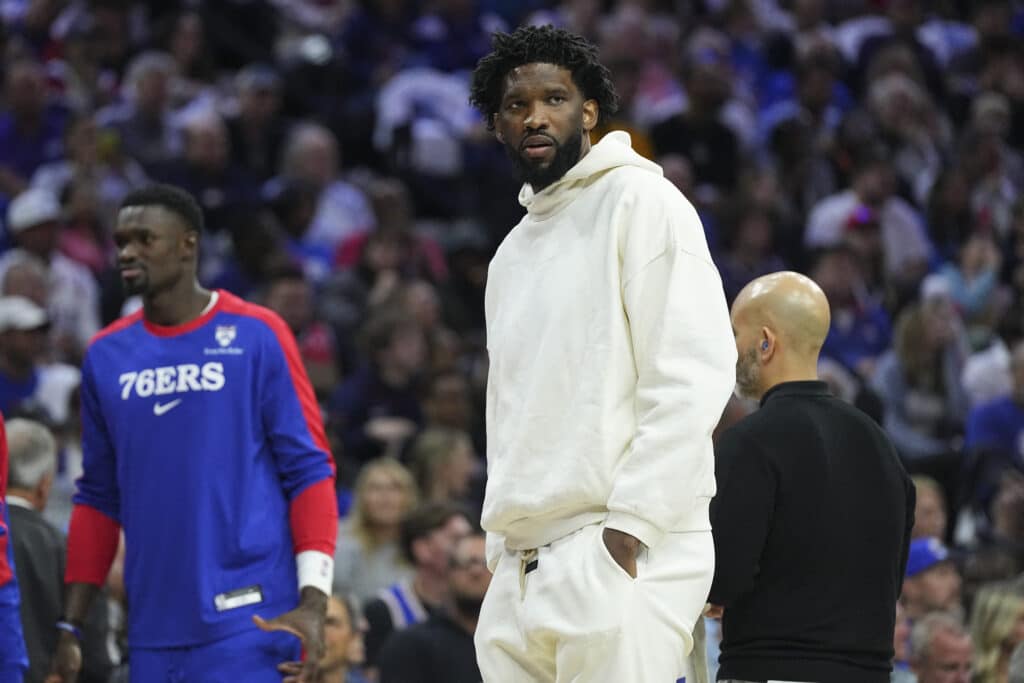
[{"x": 77, "y": 602}]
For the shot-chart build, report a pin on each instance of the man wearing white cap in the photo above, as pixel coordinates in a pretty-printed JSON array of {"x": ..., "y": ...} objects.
[
  {"x": 25, "y": 383},
  {"x": 33, "y": 222}
]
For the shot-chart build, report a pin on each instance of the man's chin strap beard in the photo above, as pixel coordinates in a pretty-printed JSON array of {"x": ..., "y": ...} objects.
[{"x": 567, "y": 155}]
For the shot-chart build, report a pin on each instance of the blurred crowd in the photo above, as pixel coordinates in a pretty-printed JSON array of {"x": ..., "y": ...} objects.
[{"x": 875, "y": 145}]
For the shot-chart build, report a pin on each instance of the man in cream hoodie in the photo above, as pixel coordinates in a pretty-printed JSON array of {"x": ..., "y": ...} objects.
[{"x": 611, "y": 360}]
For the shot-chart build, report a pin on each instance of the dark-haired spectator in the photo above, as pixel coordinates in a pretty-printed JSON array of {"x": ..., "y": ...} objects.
[
  {"x": 441, "y": 649},
  {"x": 311, "y": 154},
  {"x": 31, "y": 128},
  {"x": 257, "y": 131},
  {"x": 860, "y": 330},
  {"x": 429, "y": 533},
  {"x": 751, "y": 250},
  {"x": 904, "y": 244},
  {"x": 91, "y": 158},
  {"x": 142, "y": 121},
  {"x": 291, "y": 296},
  {"x": 205, "y": 170},
  {"x": 697, "y": 133}
]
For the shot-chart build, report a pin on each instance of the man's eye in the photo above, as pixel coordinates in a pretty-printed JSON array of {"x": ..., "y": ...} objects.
[
  {"x": 556, "y": 99},
  {"x": 514, "y": 105}
]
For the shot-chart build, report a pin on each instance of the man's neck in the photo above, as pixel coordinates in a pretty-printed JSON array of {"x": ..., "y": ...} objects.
[
  {"x": 794, "y": 372},
  {"x": 466, "y": 622},
  {"x": 429, "y": 588},
  {"x": 174, "y": 307}
]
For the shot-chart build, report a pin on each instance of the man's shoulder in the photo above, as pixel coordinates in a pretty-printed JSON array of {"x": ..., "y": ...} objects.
[
  {"x": 254, "y": 317},
  {"x": 645, "y": 183},
  {"x": 27, "y": 521},
  {"x": 113, "y": 330}
]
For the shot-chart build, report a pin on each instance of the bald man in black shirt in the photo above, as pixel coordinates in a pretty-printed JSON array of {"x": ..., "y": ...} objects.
[{"x": 813, "y": 513}]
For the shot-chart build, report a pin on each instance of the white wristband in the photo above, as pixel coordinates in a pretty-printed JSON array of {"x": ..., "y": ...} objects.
[{"x": 315, "y": 569}]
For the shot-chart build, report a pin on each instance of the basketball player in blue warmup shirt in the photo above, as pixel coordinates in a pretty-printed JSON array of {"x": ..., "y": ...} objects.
[{"x": 203, "y": 442}]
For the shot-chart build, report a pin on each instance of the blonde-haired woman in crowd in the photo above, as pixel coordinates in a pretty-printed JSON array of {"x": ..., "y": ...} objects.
[
  {"x": 444, "y": 464},
  {"x": 997, "y": 627},
  {"x": 368, "y": 556}
]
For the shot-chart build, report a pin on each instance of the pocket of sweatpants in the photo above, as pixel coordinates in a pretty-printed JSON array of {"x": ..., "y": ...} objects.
[{"x": 615, "y": 566}]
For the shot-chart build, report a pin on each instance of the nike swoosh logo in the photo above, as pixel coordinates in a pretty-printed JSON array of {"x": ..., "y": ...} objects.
[{"x": 161, "y": 408}]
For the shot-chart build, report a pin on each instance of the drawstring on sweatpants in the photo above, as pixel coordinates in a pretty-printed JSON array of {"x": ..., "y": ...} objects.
[{"x": 527, "y": 563}]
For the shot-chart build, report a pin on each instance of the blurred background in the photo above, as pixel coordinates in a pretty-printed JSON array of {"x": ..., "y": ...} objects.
[{"x": 875, "y": 145}]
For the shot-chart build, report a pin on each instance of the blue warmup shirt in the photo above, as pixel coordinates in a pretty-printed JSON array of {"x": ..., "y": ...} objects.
[{"x": 195, "y": 440}]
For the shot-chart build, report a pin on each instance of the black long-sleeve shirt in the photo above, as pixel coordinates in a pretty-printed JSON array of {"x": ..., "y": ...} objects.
[{"x": 811, "y": 525}]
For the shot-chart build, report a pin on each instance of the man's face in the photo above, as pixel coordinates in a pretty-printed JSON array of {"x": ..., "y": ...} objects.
[
  {"x": 748, "y": 367},
  {"x": 24, "y": 347},
  {"x": 948, "y": 661},
  {"x": 937, "y": 588},
  {"x": 440, "y": 543},
  {"x": 40, "y": 240},
  {"x": 448, "y": 403},
  {"x": 543, "y": 120},
  {"x": 153, "y": 249},
  {"x": 469, "y": 576},
  {"x": 292, "y": 300},
  {"x": 26, "y": 90},
  {"x": 930, "y": 514}
]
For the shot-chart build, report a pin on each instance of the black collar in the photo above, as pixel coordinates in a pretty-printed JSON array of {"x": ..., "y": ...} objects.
[{"x": 802, "y": 388}]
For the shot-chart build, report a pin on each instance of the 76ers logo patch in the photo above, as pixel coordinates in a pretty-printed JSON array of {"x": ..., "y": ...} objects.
[{"x": 225, "y": 334}]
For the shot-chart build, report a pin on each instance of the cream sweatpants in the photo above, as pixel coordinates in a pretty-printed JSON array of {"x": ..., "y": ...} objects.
[{"x": 579, "y": 617}]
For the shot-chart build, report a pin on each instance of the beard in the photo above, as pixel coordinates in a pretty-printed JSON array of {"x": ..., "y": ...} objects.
[
  {"x": 468, "y": 605},
  {"x": 566, "y": 156},
  {"x": 748, "y": 375}
]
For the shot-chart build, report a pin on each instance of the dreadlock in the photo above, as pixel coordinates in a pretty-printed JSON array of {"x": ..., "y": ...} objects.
[{"x": 541, "y": 44}]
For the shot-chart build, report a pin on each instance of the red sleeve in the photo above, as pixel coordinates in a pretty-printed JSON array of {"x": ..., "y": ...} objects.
[
  {"x": 92, "y": 544},
  {"x": 314, "y": 518}
]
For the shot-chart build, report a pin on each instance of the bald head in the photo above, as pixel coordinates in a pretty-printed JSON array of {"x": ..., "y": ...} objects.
[
  {"x": 791, "y": 305},
  {"x": 780, "y": 321}
]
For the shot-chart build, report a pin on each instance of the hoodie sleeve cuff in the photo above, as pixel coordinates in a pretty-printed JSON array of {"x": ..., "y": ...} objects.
[{"x": 647, "y": 533}]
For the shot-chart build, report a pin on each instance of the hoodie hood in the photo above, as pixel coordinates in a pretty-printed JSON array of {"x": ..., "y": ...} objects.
[{"x": 612, "y": 151}]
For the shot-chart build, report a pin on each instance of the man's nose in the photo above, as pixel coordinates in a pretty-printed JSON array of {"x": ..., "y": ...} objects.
[
  {"x": 126, "y": 252},
  {"x": 536, "y": 117}
]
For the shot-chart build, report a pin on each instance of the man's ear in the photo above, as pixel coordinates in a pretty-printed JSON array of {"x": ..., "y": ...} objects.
[
  {"x": 591, "y": 113},
  {"x": 192, "y": 241}
]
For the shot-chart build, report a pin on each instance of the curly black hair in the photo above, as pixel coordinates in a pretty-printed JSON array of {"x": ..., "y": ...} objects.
[
  {"x": 541, "y": 44},
  {"x": 172, "y": 198}
]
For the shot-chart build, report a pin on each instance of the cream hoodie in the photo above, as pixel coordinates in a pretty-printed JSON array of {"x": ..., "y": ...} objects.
[{"x": 611, "y": 358}]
